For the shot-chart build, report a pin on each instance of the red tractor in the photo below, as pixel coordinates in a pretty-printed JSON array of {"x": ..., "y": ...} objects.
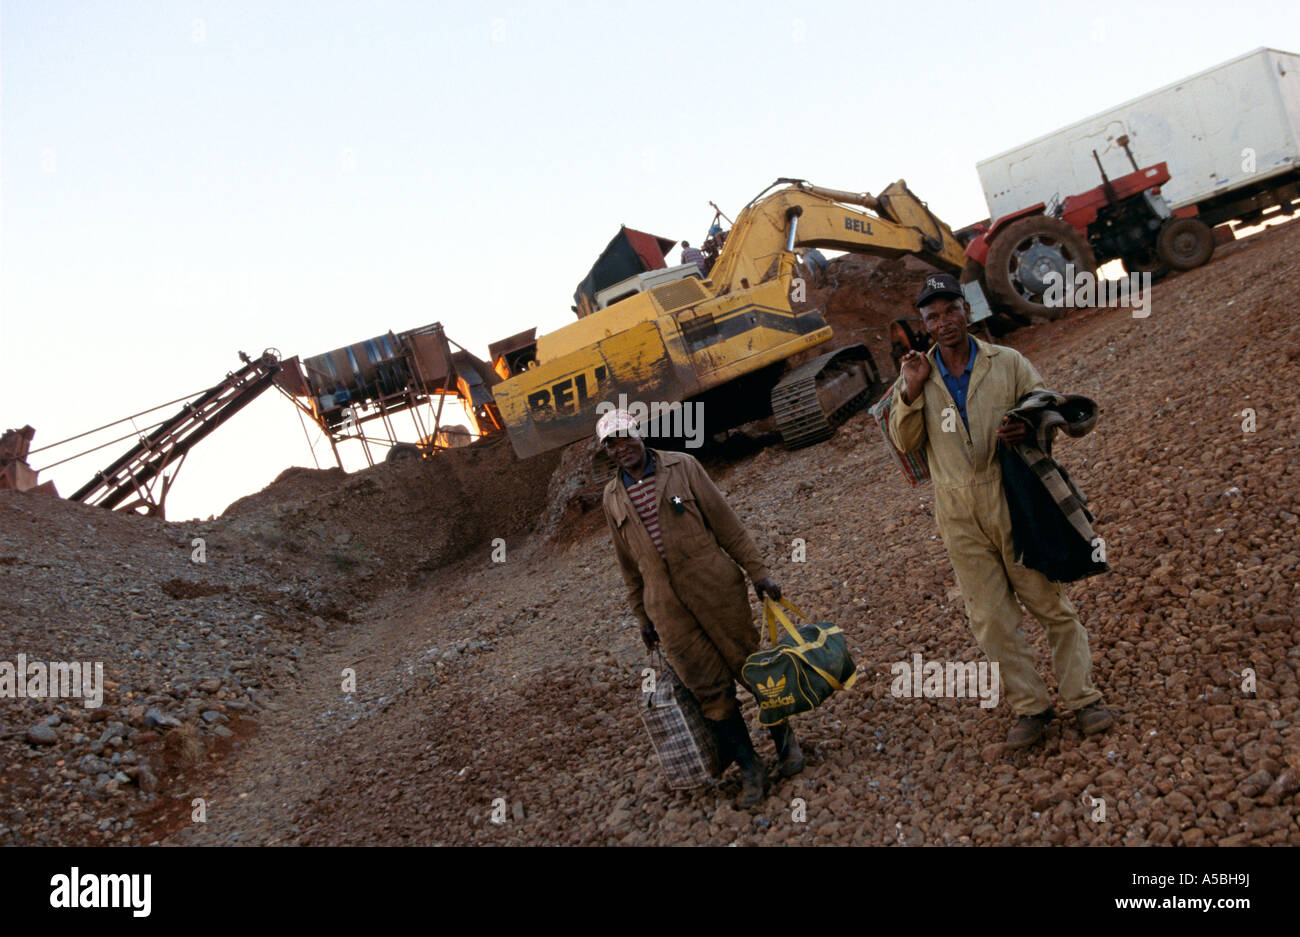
[{"x": 1126, "y": 219}]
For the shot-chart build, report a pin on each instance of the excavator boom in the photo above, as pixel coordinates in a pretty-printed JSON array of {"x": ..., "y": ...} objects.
[{"x": 806, "y": 215}]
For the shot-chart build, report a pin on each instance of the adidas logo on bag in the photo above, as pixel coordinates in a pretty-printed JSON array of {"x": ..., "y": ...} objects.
[{"x": 772, "y": 689}]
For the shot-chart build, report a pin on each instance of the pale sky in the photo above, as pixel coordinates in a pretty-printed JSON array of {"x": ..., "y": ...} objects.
[{"x": 185, "y": 180}]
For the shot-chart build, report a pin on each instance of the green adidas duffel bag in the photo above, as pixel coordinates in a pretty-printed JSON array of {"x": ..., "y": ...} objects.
[{"x": 798, "y": 672}]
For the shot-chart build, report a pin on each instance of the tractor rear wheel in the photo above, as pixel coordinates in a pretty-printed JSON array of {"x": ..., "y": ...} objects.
[
  {"x": 1023, "y": 257},
  {"x": 1185, "y": 243}
]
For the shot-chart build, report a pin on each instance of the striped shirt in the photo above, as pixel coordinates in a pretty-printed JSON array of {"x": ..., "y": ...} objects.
[
  {"x": 644, "y": 496},
  {"x": 693, "y": 255}
]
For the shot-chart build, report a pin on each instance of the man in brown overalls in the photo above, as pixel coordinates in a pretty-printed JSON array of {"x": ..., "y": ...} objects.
[{"x": 678, "y": 544}]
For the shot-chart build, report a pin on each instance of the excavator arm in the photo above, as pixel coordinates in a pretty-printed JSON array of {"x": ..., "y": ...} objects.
[
  {"x": 812, "y": 399},
  {"x": 891, "y": 224}
]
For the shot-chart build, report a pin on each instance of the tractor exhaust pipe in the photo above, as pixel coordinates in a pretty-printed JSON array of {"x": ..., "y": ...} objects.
[
  {"x": 1123, "y": 141},
  {"x": 1111, "y": 197}
]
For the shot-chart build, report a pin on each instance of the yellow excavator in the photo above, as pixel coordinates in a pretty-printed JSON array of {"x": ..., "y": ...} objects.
[{"x": 725, "y": 340}]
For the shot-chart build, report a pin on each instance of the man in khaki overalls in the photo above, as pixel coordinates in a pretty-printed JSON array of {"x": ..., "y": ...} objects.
[
  {"x": 952, "y": 402},
  {"x": 682, "y": 550}
]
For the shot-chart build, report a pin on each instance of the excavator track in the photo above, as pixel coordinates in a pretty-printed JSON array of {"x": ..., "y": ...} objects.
[{"x": 819, "y": 395}]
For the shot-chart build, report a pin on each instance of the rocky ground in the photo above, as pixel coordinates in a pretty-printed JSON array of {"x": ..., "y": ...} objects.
[
  {"x": 357, "y": 663},
  {"x": 201, "y": 627}
]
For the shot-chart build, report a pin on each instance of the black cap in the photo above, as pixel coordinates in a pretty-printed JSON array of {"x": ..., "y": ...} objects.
[{"x": 938, "y": 284}]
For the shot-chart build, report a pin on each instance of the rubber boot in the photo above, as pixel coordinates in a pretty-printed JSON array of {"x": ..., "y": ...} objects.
[
  {"x": 751, "y": 766},
  {"x": 726, "y": 747},
  {"x": 788, "y": 753}
]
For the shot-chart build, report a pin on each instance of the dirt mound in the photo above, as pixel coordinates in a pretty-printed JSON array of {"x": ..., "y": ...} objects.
[
  {"x": 200, "y": 626},
  {"x": 191, "y": 627},
  {"x": 292, "y": 486},
  {"x": 399, "y": 520},
  {"x": 571, "y": 495}
]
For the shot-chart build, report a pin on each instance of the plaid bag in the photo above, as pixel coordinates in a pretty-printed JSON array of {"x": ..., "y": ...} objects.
[
  {"x": 912, "y": 464},
  {"x": 684, "y": 742}
]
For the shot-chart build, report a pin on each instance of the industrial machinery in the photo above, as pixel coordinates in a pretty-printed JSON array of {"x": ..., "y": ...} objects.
[
  {"x": 139, "y": 479},
  {"x": 341, "y": 391},
  {"x": 1230, "y": 134},
  {"x": 734, "y": 341},
  {"x": 1230, "y": 148},
  {"x": 371, "y": 382},
  {"x": 1014, "y": 257}
]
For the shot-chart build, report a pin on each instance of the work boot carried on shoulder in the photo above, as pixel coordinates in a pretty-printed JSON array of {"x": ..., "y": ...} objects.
[
  {"x": 1093, "y": 719},
  {"x": 788, "y": 753},
  {"x": 1029, "y": 729},
  {"x": 753, "y": 774}
]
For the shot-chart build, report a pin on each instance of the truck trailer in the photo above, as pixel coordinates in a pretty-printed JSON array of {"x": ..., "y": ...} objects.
[{"x": 1230, "y": 136}]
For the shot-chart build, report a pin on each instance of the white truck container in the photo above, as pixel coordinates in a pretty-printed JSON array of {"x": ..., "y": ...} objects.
[{"x": 1230, "y": 136}]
